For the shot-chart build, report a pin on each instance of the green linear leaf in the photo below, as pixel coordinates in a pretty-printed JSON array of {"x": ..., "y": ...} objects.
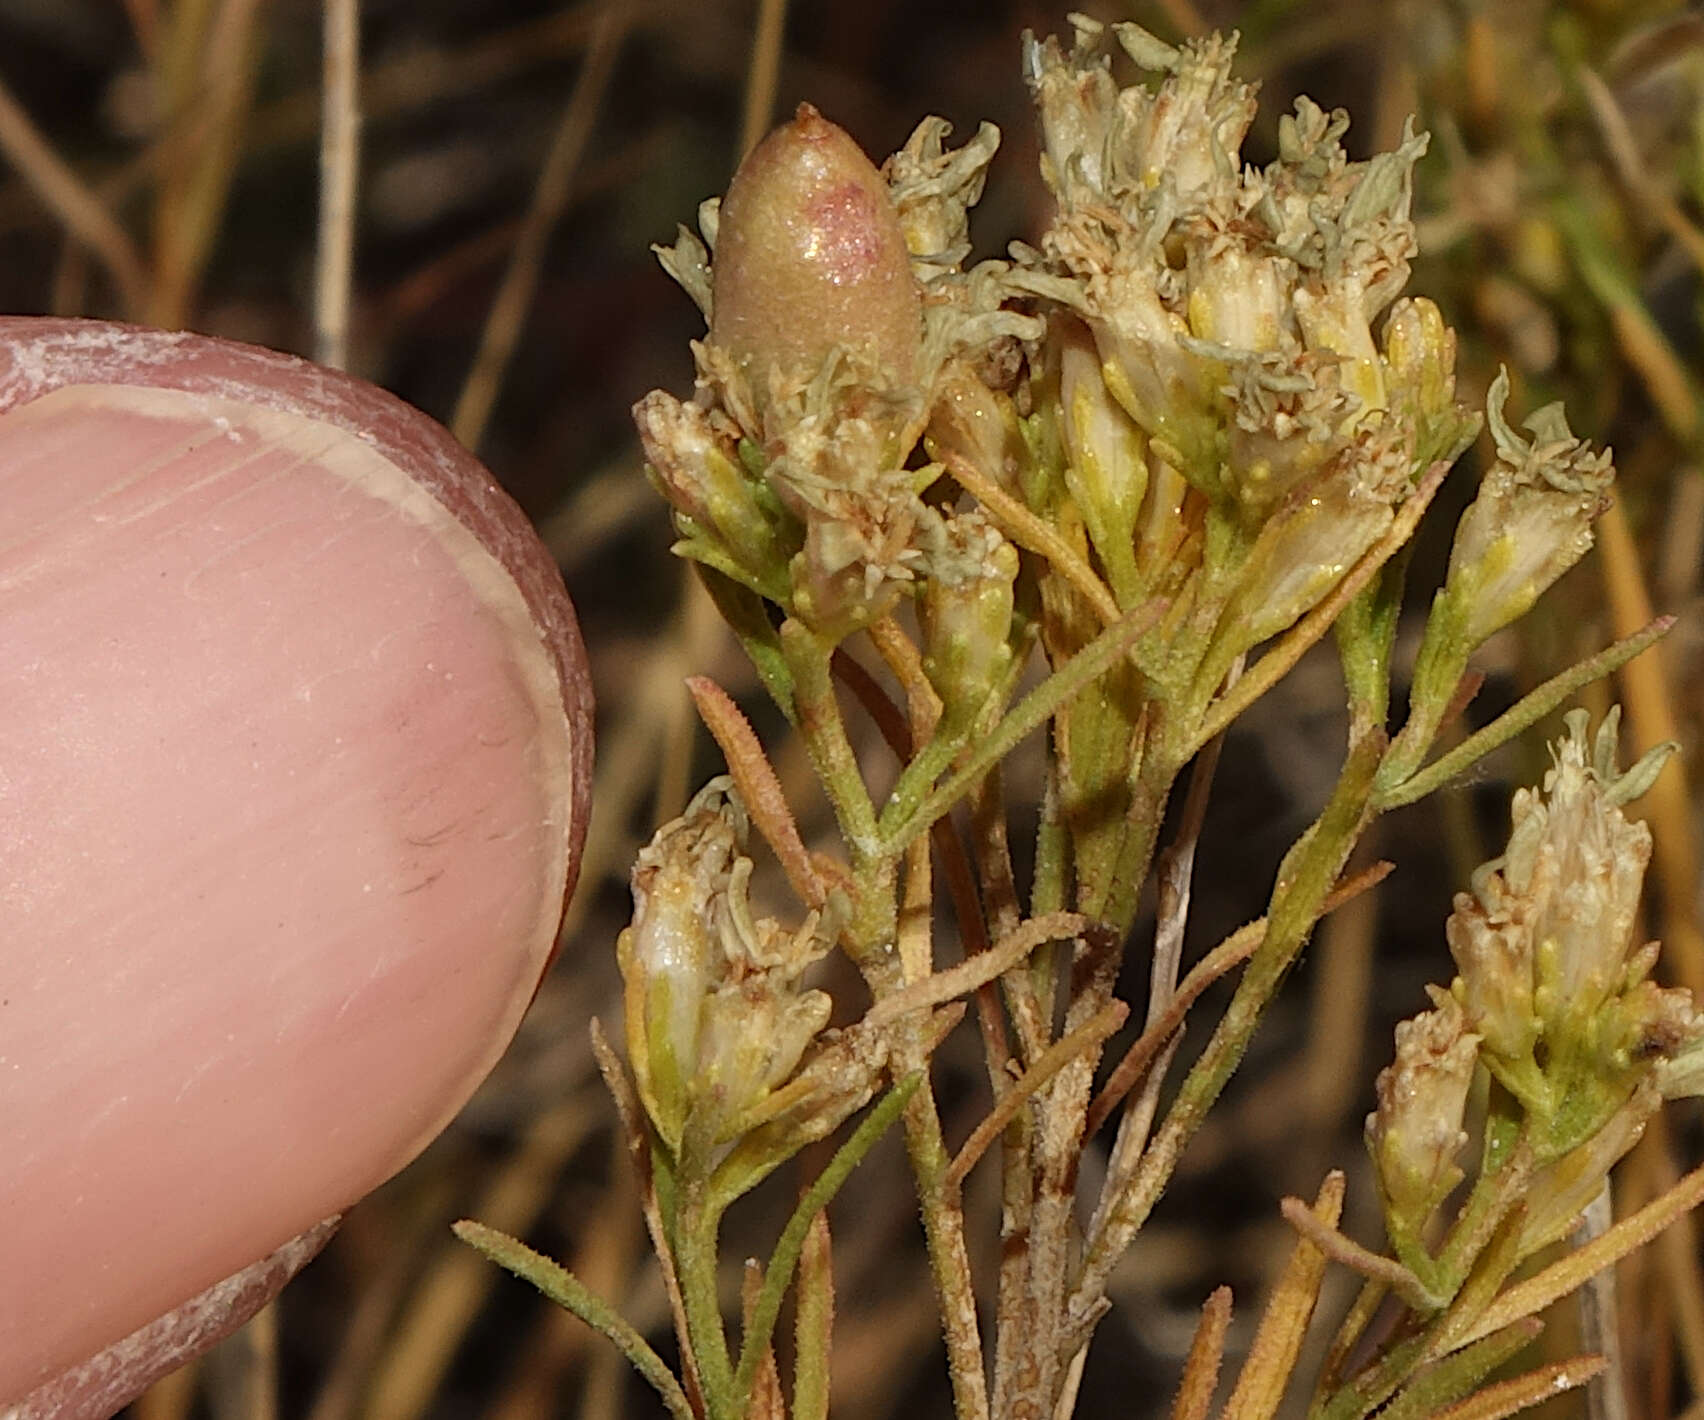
[
  {"x": 566, "y": 1290},
  {"x": 779, "y": 1274},
  {"x": 1030, "y": 713},
  {"x": 1527, "y": 711}
]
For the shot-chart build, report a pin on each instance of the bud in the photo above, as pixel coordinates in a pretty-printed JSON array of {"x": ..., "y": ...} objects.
[
  {"x": 979, "y": 425},
  {"x": 1419, "y": 358},
  {"x": 1416, "y": 1132},
  {"x": 966, "y": 614},
  {"x": 1589, "y": 898},
  {"x": 753, "y": 1037},
  {"x": 1189, "y": 131},
  {"x": 1107, "y": 465},
  {"x": 1531, "y": 522},
  {"x": 838, "y": 1080},
  {"x": 715, "y": 1019},
  {"x": 1492, "y": 949},
  {"x": 1329, "y": 516},
  {"x": 1075, "y": 100},
  {"x": 810, "y": 258},
  {"x": 667, "y": 956},
  {"x": 697, "y": 469}
]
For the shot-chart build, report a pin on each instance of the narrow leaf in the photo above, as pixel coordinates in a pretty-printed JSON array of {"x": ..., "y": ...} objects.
[
  {"x": 1443, "y": 1384},
  {"x": 1266, "y": 1373},
  {"x": 1029, "y": 714},
  {"x": 1527, "y": 711},
  {"x": 814, "y": 1324},
  {"x": 755, "y": 778},
  {"x": 1560, "y": 1278},
  {"x": 1201, "y": 1366},
  {"x": 1509, "y": 1397},
  {"x": 1349, "y": 1253},
  {"x": 566, "y": 1290},
  {"x": 786, "y": 1255},
  {"x": 1067, "y": 1048},
  {"x": 976, "y": 971}
]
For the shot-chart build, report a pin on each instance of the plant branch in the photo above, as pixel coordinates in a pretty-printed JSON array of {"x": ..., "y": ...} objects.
[
  {"x": 1028, "y": 715},
  {"x": 1530, "y": 709}
]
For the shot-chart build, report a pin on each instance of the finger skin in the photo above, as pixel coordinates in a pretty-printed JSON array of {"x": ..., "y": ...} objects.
[
  {"x": 105, "y": 1384},
  {"x": 42, "y": 353},
  {"x": 294, "y": 765}
]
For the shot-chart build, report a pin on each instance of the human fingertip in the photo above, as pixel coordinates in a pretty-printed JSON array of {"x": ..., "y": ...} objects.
[{"x": 105, "y": 1383}]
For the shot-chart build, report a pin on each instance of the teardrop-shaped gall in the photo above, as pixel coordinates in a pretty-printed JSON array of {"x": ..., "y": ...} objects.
[{"x": 810, "y": 256}]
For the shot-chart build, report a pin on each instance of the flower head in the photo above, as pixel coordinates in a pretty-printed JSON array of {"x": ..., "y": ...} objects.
[
  {"x": 1543, "y": 945},
  {"x": 1532, "y": 520},
  {"x": 1416, "y": 1132},
  {"x": 716, "y": 1018}
]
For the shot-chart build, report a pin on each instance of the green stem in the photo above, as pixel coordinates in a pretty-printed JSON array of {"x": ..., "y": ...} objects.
[
  {"x": 928, "y": 765},
  {"x": 1305, "y": 879},
  {"x": 1029, "y": 714},
  {"x": 808, "y": 658},
  {"x": 1142, "y": 835},
  {"x": 696, "y": 1250}
]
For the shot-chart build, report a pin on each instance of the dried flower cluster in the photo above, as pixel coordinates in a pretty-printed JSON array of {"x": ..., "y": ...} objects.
[
  {"x": 1552, "y": 1001},
  {"x": 1175, "y": 442}
]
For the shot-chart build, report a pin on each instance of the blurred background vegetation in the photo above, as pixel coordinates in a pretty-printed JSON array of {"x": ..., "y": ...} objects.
[{"x": 160, "y": 161}]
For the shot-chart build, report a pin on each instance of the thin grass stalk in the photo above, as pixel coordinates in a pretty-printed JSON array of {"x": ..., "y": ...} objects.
[
  {"x": 339, "y": 169},
  {"x": 507, "y": 317}
]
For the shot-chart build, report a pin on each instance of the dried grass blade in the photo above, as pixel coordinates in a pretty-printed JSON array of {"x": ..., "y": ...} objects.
[
  {"x": 1201, "y": 1366},
  {"x": 1266, "y": 1373},
  {"x": 1560, "y": 1278},
  {"x": 756, "y": 780}
]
